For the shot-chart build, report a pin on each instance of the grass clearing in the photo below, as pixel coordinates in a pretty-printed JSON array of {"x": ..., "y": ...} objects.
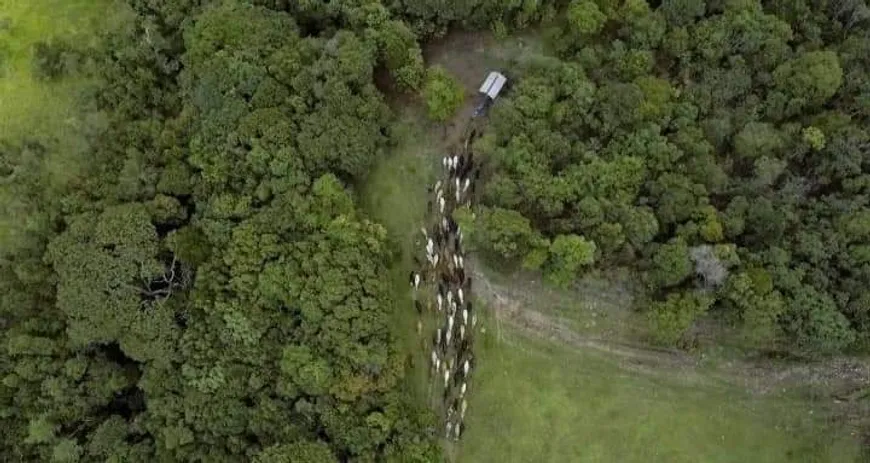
[
  {"x": 395, "y": 196},
  {"x": 596, "y": 305},
  {"x": 533, "y": 400},
  {"x": 30, "y": 107}
]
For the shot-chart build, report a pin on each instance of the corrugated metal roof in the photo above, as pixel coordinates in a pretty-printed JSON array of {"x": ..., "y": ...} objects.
[
  {"x": 490, "y": 79},
  {"x": 496, "y": 86},
  {"x": 493, "y": 84}
]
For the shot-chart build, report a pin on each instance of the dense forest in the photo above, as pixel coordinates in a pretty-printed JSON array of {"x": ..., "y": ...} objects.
[
  {"x": 191, "y": 279},
  {"x": 718, "y": 148}
]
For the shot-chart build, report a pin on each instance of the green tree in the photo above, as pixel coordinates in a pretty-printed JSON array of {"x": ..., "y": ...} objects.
[
  {"x": 757, "y": 139},
  {"x": 301, "y": 452},
  {"x": 810, "y": 79},
  {"x": 505, "y": 232},
  {"x": 669, "y": 320},
  {"x": 66, "y": 451},
  {"x": 815, "y": 323},
  {"x": 585, "y": 17},
  {"x": 759, "y": 306},
  {"x": 568, "y": 253},
  {"x": 670, "y": 264},
  {"x": 682, "y": 12},
  {"x": 443, "y": 94},
  {"x": 813, "y": 137}
]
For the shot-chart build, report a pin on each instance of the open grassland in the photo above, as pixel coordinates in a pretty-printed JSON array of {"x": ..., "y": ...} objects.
[
  {"x": 534, "y": 400},
  {"x": 27, "y": 106}
]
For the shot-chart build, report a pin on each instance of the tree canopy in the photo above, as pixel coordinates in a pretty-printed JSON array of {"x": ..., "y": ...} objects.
[
  {"x": 696, "y": 143},
  {"x": 186, "y": 274},
  {"x": 203, "y": 287}
]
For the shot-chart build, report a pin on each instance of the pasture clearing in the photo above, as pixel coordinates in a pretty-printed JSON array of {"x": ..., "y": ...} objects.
[
  {"x": 29, "y": 107},
  {"x": 534, "y": 400},
  {"x": 395, "y": 196}
]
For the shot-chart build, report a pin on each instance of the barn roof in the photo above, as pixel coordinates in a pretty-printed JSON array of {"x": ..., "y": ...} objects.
[
  {"x": 490, "y": 79},
  {"x": 493, "y": 84}
]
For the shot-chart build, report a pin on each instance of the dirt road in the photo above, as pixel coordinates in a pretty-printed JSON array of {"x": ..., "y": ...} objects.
[{"x": 842, "y": 381}]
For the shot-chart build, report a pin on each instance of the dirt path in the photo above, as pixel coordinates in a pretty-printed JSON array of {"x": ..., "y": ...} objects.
[
  {"x": 510, "y": 311},
  {"x": 842, "y": 382}
]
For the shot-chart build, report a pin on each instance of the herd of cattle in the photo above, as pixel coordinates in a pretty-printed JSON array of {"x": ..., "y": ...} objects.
[{"x": 442, "y": 287}]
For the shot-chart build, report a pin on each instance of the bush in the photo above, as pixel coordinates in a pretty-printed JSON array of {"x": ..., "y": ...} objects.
[{"x": 442, "y": 93}]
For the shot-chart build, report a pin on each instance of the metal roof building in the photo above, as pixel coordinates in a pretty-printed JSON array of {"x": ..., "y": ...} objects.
[{"x": 493, "y": 84}]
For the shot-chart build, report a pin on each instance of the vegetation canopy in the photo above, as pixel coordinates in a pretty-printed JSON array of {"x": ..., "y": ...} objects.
[{"x": 188, "y": 273}]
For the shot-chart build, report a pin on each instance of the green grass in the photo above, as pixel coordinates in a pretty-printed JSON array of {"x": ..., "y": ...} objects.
[
  {"x": 596, "y": 305},
  {"x": 30, "y": 107},
  {"x": 395, "y": 196},
  {"x": 535, "y": 401}
]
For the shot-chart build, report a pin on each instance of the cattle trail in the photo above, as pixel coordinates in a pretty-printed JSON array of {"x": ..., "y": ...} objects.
[{"x": 442, "y": 287}]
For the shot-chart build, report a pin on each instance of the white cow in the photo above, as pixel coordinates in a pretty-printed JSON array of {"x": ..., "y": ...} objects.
[
  {"x": 462, "y": 333},
  {"x": 440, "y": 301},
  {"x": 462, "y": 389},
  {"x": 466, "y": 185},
  {"x": 461, "y": 296},
  {"x": 462, "y": 408},
  {"x": 466, "y": 368},
  {"x": 446, "y": 377},
  {"x": 464, "y": 316}
]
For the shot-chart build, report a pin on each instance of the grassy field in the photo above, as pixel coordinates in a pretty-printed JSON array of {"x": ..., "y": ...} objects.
[
  {"x": 535, "y": 401},
  {"x": 395, "y": 196},
  {"x": 27, "y": 106}
]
